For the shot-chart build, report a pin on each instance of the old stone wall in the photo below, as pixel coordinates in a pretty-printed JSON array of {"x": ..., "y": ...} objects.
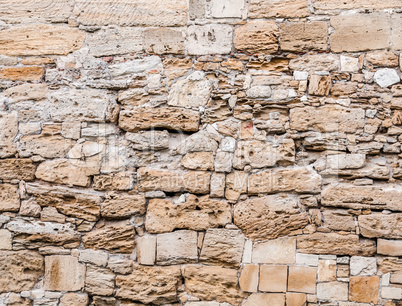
[{"x": 201, "y": 152}]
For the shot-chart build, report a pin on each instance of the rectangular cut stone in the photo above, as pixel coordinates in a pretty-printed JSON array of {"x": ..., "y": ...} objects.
[
  {"x": 112, "y": 41},
  {"x": 315, "y": 62},
  {"x": 146, "y": 250},
  {"x": 248, "y": 280},
  {"x": 164, "y": 41},
  {"x": 9, "y": 199},
  {"x": 326, "y": 5},
  {"x": 17, "y": 168},
  {"x": 329, "y": 118},
  {"x": 168, "y": 118},
  {"x": 389, "y": 247},
  {"x": 209, "y": 39},
  {"x": 360, "y": 32},
  {"x": 332, "y": 291},
  {"x": 259, "y": 37},
  {"x": 123, "y": 205},
  {"x": 278, "y": 8},
  {"x": 304, "y": 36},
  {"x": 63, "y": 273},
  {"x": 99, "y": 281},
  {"x": 302, "y": 279},
  {"x": 336, "y": 244},
  {"x": 273, "y": 278},
  {"x": 363, "y": 197},
  {"x": 5, "y": 240},
  {"x": 276, "y": 251},
  {"x": 33, "y": 73},
  {"x": 132, "y": 12},
  {"x": 227, "y": 8},
  {"x": 299, "y": 179},
  {"x": 396, "y": 26},
  {"x": 178, "y": 247},
  {"x": 381, "y": 225},
  {"x": 42, "y": 39}
]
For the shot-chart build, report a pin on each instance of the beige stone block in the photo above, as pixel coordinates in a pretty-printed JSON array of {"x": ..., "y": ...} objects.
[
  {"x": 260, "y": 37},
  {"x": 17, "y": 168},
  {"x": 198, "y": 161},
  {"x": 382, "y": 58},
  {"x": 393, "y": 293},
  {"x": 304, "y": 36},
  {"x": 178, "y": 247},
  {"x": 381, "y": 225},
  {"x": 302, "y": 279},
  {"x": 9, "y": 199},
  {"x": 74, "y": 299},
  {"x": 355, "y": 4},
  {"x": 276, "y": 251},
  {"x": 22, "y": 73},
  {"x": 63, "y": 273},
  {"x": 272, "y": 299},
  {"x": 209, "y": 39},
  {"x": 296, "y": 299},
  {"x": 5, "y": 240},
  {"x": 121, "y": 205},
  {"x": 319, "y": 85},
  {"x": 332, "y": 291},
  {"x": 248, "y": 280},
  {"x": 364, "y": 289},
  {"x": 315, "y": 62},
  {"x": 227, "y": 8},
  {"x": 146, "y": 250},
  {"x": 217, "y": 185},
  {"x": 363, "y": 265},
  {"x": 164, "y": 41},
  {"x": 98, "y": 258},
  {"x": 389, "y": 247},
  {"x": 273, "y": 278},
  {"x": 99, "y": 281},
  {"x": 278, "y": 8},
  {"x": 396, "y": 26},
  {"x": 326, "y": 270}
]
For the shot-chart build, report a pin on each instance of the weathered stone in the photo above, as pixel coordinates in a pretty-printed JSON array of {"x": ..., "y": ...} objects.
[
  {"x": 116, "y": 181},
  {"x": 60, "y": 40},
  {"x": 178, "y": 247},
  {"x": 302, "y": 279},
  {"x": 132, "y": 13},
  {"x": 386, "y": 77},
  {"x": 141, "y": 65},
  {"x": 259, "y": 92},
  {"x": 301, "y": 37},
  {"x": 282, "y": 215},
  {"x": 120, "y": 264},
  {"x": 362, "y": 197},
  {"x": 277, "y": 251},
  {"x": 26, "y": 92},
  {"x": 192, "y": 91},
  {"x": 198, "y": 161},
  {"x": 307, "y": 259},
  {"x": 223, "y": 247},
  {"x": 201, "y": 141},
  {"x": 209, "y": 39},
  {"x": 274, "y": 299},
  {"x": 273, "y": 278},
  {"x": 363, "y": 266},
  {"x": 17, "y": 169},
  {"x": 257, "y": 37},
  {"x": 355, "y": 4},
  {"x": 370, "y": 31},
  {"x": 381, "y": 225},
  {"x": 146, "y": 250},
  {"x": 227, "y": 8},
  {"x": 164, "y": 41},
  {"x": 8, "y": 132},
  {"x": 248, "y": 280},
  {"x": 171, "y": 181},
  {"x": 20, "y": 270},
  {"x": 319, "y": 85},
  {"x": 332, "y": 291},
  {"x": 339, "y": 220},
  {"x": 317, "y": 62},
  {"x": 396, "y": 38},
  {"x": 168, "y": 118},
  {"x": 327, "y": 118},
  {"x": 5, "y": 240},
  {"x": 223, "y": 162},
  {"x": 149, "y": 140},
  {"x": 64, "y": 273},
  {"x": 22, "y": 73},
  {"x": 74, "y": 299},
  {"x": 9, "y": 199},
  {"x": 278, "y": 8},
  {"x": 327, "y": 270},
  {"x": 382, "y": 58},
  {"x": 218, "y": 185},
  {"x": 389, "y": 247},
  {"x": 98, "y": 258},
  {"x": 115, "y": 238},
  {"x": 213, "y": 283},
  {"x": 99, "y": 281},
  {"x": 176, "y": 67},
  {"x": 364, "y": 289},
  {"x": 346, "y": 161},
  {"x": 195, "y": 214},
  {"x": 393, "y": 293},
  {"x": 297, "y": 179},
  {"x": 336, "y": 244},
  {"x": 122, "y": 205},
  {"x": 156, "y": 285}
]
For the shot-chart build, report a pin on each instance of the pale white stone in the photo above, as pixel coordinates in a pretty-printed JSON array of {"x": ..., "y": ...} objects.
[
  {"x": 136, "y": 66},
  {"x": 300, "y": 75},
  {"x": 176, "y": 247},
  {"x": 146, "y": 250},
  {"x": 218, "y": 185},
  {"x": 259, "y": 92},
  {"x": 386, "y": 77},
  {"x": 391, "y": 293},
  {"x": 209, "y": 39},
  {"x": 228, "y": 144},
  {"x": 247, "y": 252},
  {"x": 307, "y": 259},
  {"x": 5, "y": 240},
  {"x": 349, "y": 64},
  {"x": 363, "y": 265},
  {"x": 223, "y": 162},
  {"x": 337, "y": 291},
  {"x": 98, "y": 258},
  {"x": 346, "y": 161},
  {"x": 37, "y": 294},
  {"x": 227, "y": 8},
  {"x": 280, "y": 251},
  {"x": 385, "y": 278}
]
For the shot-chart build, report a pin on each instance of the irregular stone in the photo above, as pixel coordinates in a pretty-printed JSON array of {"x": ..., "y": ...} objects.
[
  {"x": 363, "y": 266},
  {"x": 115, "y": 238},
  {"x": 115, "y": 181},
  {"x": 113, "y": 41},
  {"x": 149, "y": 140},
  {"x": 51, "y": 214},
  {"x": 370, "y": 32},
  {"x": 328, "y": 118},
  {"x": 146, "y": 250},
  {"x": 74, "y": 299},
  {"x": 213, "y": 283},
  {"x": 5, "y": 240},
  {"x": 26, "y": 92},
  {"x": 302, "y": 279},
  {"x": 389, "y": 247},
  {"x": 339, "y": 220},
  {"x": 168, "y": 118},
  {"x": 20, "y": 270},
  {"x": 193, "y": 91},
  {"x": 209, "y": 39},
  {"x": 138, "y": 13},
  {"x": 386, "y": 77},
  {"x": 176, "y": 67},
  {"x": 98, "y": 258},
  {"x": 223, "y": 247},
  {"x": 248, "y": 280},
  {"x": 276, "y": 251},
  {"x": 362, "y": 197},
  {"x": 336, "y": 244},
  {"x": 259, "y": 37},
  {"x": 156, "y": 285},
  {"x": 298, "y": 179},
  {"x": 136, "y": 66},
  {"x": 382, "y": 58},
  {"x": 164, "y": 41},
  {"x": 8, "y": 132},
  {"x": 196, "y": 214},
  {"x": 349, "y": 64},
  {"x": 68, "y": 171},
  {"x": 336, "y": 291},
  {"x": 173, "y": 181},
  {"x": 316, "y": 62},
  {"x": 273, "y": 278},
  {"x": 122, "y": 205},
  {"x": 278, "y": 8},
  {"x": 9, "y": 199},
  {"x": 381, "y": 225},
  {"x": 120, "y": 264},
  {"x": 346, "y": 161},
  {"x": 64, "y": 273},
  {"x": 179, "y": 247},
  {"x": 282, "y": 215},
  {"x": 198, "y": 161},
  {"x": 201, "y": 141},
  {"x": 99, "y": 281},
  {"x": 17, "y": 169},
  {"x": 319, "y": 85},
  {"x": 60, "y": 40},
  {"x": 259, "y": 92},
  {"x": 227, "y": 8},
  {"x": 301, "y": 36}
]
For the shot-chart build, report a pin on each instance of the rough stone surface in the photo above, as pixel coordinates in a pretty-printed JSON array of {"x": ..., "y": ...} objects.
[
  {"x": 121, "y": 205},
  {"x": 164, "y": 41},
  {"x": 176, "y": 248},
  {"x": 9, "y": 199},
  {"x": 259, "y": 37},
  {"x": 389, "y": 247},
  {"x": 17, "y": 169},
  {"x": 63, "y": 273},
  {"x": 301, "y": 37},
  {"x": 209, "y": 39},
  {"x": 276, "y": 8},
  {"x": 381, "y": 225}
]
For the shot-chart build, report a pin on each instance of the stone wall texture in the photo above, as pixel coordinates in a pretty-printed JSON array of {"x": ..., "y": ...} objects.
[{"x": 200, "y": 152}]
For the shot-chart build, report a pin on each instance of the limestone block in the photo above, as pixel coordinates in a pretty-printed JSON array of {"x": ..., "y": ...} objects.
[
  {"x": 178, "y": 247},
  {"x": 209, "y": 39},
  {"x": 164, "y": 41},
  {"x": 389, "y": 247},
  {"x": 227, "y": 8},
  {"x": 5, "y": 240},
  {"x": 278, "y": 8},
  {"x": 248, "y": 280},
  {"x": 64, "y": 273},
  {"x": 273, "y": 278},
  {"x": 259, "y": 37},
  {"x": 363, "y": 266},
  {"x": 99, "y": 281},
  {"x": 386, "y": 77},
  {"x": 146, "y": 250},
  {"x": 332, "y": 291},
  {"x": 381, "y": 225},
  {"x": 302, "y": 279},
  {"x": 98, "y": 258},
  {"x": 276, "y": 251},
  {"x": 301, "y": 37}
]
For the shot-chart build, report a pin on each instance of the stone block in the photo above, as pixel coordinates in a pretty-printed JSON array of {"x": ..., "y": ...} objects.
[
  {"x": 273, "y": 278},
  {"x": 381, "y": 225},
  {"x": 336, "y": 291},
  {"x": 9, "y": 198},
  {"x": 227, "y": 8},
  {"x": 257, "y": 37},
  {"x": 178, "y": 247},
  {"x": 278, "y": 8},
  {"x": 276, "y": 251},
  {"x": 389, "y": 247},
  {"x": 301, "y": 36},
  {"x": 63, "y": 273},
  {"x": 248, "y": 280},
  {"x": 363, "y": 265},
  {"x": 99, "y": 281},
  {"x": 164, "y": 41},
  {"x": 5, "y": 240},
  {"x": 146, "y": 250},
  {"x": 364, "y": 289},
  {"x": 302, "y": 279},
  {"x": 98, "y": 258},
  {"x": 209, "y": 39}
]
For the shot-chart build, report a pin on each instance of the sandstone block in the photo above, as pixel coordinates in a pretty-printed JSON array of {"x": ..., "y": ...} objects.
[
  {"x": 168, "y": 118},
  {"x": 213, "y": 283},
  {"x": 317, "y": 62},
  {"x": 339, "y": 220},
  {"x": 22, "y": 73},
  {"x": 164, "y": 41},
  {"x": 223, "y": 247},
  {"x": 302, "y": 279},
  {"x": 293, "y": 298},
  {"x": 370, "y": 32},
  {"x": 227, "y": 8},
  {"x": 319, "y": 85},
  {"x": 195, "y": 214},
  {"x": 389, "y": 247},
  {"x": 278, "y": 8},
  {"x": 336, "y": 244},
  {"x": 394, "y": 293},
  {"x": 74, "y": 299},
  {"x": 276, "y": 251},
  {"x": 122, "y": 205},
  {"x": 140, "y": 65},
  {"x": 99, "y": 281},
  {"x": 20, "y": 270},
  {"x": 120, "y": 264},
  {"x": 17, "y": 169},
  {"x": 149, "y": 140},
  {"x": 301, "y": 37},
  {"x": 259, "y": 37},
  {"x": 209, "y": 39},
  {"x": 274, "y": 299},
  {"x": 282, "y": 215},
  {"x": 60, "y": 40},
  {"x": 364, "y": 289},
  {"x": 98, "y": 258},
  {"x": 64, "y": 273},
  {"x": 355, "y": 4},
  {"x": 273, "y": 278},
  {"x": 178, "y": 247},
  {"x": 115, "y": 181},
  {"x": 201, "y": 141},
  {"x": 26, "y": 92},
  {"x": 327, "y": 270},
  {"x": 327, "y": 118},
  {"x": 332, "y": 291},
  {"x": 346, "y": 161},
  {"x": 381, "y": 225},
  {"x": 217, "y": 185},
  {"x": 248, "y": 280},
  {"x": 5, "y": 240},
  {"x": 146, "y": 250},
  {"x": 363, "y": 266},
  {"x": 156, "y": 285},
  {"x": 307, "y": 259},
  {"x": 9, "y": 199},
  {"x": 223, "y": 162}
]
